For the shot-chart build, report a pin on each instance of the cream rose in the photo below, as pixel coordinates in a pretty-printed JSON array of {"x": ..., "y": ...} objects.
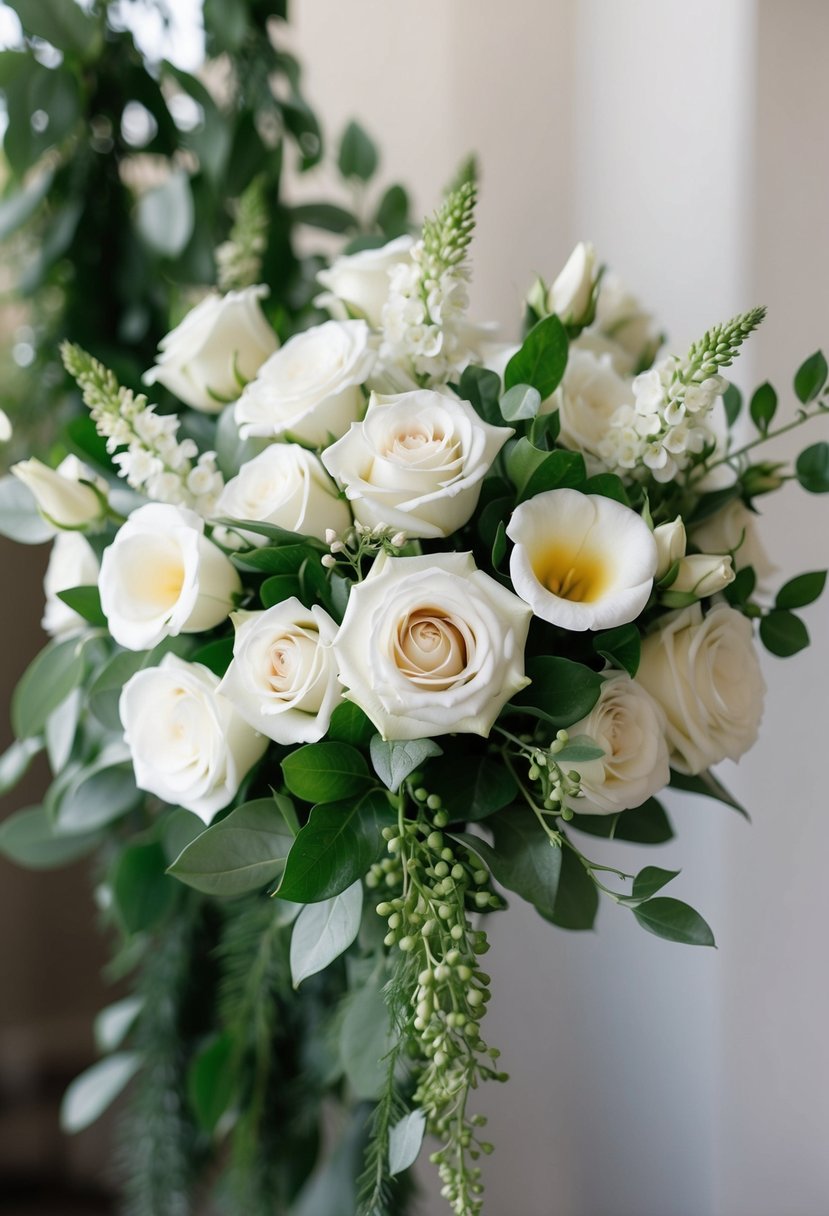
[
  {"x": 734, "y": 530},
  {"x": 161, "y": 576},
  {"x": 587, "y": 398},
  {"x": 285, "y": 485},
  {"x": 61, "y": 494},
  {"x": 311, "y": 388},
  {"x": 416, "y": 462},
  {"x": 670, "y": 544},
  {"x": 703, "y": 574},
  {"x": 188, "y": 744},
  {"x": 359, "y": 282},
  {"x": 569, "y": 296},
  {"x": 581, "y": 561},
  {"x": 630, "y": 726},
  {"x": 431, "y": 645},
  {"x": 72, "y": 563},
  {"x": 704, "y": 672},
  {"x": 283, "y": 677},
  {"x": 219, "y": 345}
]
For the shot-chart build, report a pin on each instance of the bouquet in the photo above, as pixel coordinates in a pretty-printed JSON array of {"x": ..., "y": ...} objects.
[{"x": 380, "y": 630}]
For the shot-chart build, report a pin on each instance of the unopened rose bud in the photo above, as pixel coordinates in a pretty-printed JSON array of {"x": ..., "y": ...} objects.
[
  {"x": 63, "y": 499},
  {"x": 537, "y": 298},
  {"x": 571, "y": 293},
  {"x": 703, "y": 574},
  {"x": 762, "y": 478},
  {"x": 670, "y": 545}
]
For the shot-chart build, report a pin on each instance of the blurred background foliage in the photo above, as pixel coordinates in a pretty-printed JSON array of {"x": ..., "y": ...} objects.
[{"x": 129, "y": 186}]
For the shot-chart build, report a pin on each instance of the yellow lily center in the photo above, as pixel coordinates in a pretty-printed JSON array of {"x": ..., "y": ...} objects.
[{"x": 579, "y": 576}]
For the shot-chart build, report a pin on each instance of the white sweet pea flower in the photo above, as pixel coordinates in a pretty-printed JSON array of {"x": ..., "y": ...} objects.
[
  {"x": 219, "y": 345},
  {"x": 431, "y": 646},
  {"x": 161, "y": 576},
  {"x": 5, "y": 427},
  {"x": 703, "y": 574},
  {"x": 569, "y": 296},
  {"x": 72, "y": 563},
  {"x": 587, "y": 399},
  {"x": 60, "y": 494},
  {"x": 285, "y": 485},
  {"x": 311, "y": 388},
  {"x": 704, "y": 672},
  {"x": 734, "y": 530},
  {"x": 359, "y": 282},
  {"x": 189, "y": 746},
  {"x": 283, "y": 676},
  {"x": 630, "y": 726},
  {"x": 581, "y": 561},
  {"x": 416, "y": 462},
  {"x": 670, "y": 545}
]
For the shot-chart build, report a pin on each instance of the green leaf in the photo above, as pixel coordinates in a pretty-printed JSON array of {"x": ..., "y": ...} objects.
[
  {"x": 580, "y": 748},
  {"x": 98, "y": 794},
  {"x": 471, "y": 787},
  {"x": 142, "y": 891},
  {"x": 622, "y": 647},
  {"x": 810, "y": 377},
  {"x": 20, "y": 206},
  {"x": 394, "y": 760},
  {"x": 607, "y": 485},
  {"x": 707, "y": 785},
  {"x": 61, "y": 729},
  {"x": 113, "y": 1024},
  {"x": 366, "y": 1037},
  {"x": 782, "y": 633},
  {"x": 563, "y": 690},
  {"x": 763, "y": 407},
  {"x": 577, "y": 900},
  {"x": 544, "y": 431},
  {"x": 244, "y": 852},
  {"x": 284, "y": 560},
  {"x": 709, "y": 504},
  {"x": 28, "y": 838},
  {"x": 93, "y": 1091},
  {"x": 325, "y": 772},
  {"x": 20, "y": 519},
  {"x": 650, "y": 880},
  {"x": 327, "y": 216},
  {"x": 212, "y": 1079},
  {"x": 733, "y": 402},
  {"x": 279, "y": 536},
  {"x": 521, "y": 858},
  {"x": 15, "y": 761},
  {"x": 800, "y": 591},
  {"x": 499, "y": 545},
  {"x": 519, "y": 402},
  {"x": 278, "y": 588},
  {"x": 86, "y": 601},
  {"x": 393, "y": 212},
  {"x": 215, "y": 656},
  {"x": 542, "y": 358},
  {"x": 350, "y": 725},
  {"x": 165, "y": 215},
  {"x": 46, "y": 682},
  {"x": 558, "y": 470},
  {"x": 405, "y": 1140},
  {"x": 323, "y": 930},
  {"x": 338, "y": 844},
  {"x": 178, "y": 829},
  {"x": 675, "y": 921},
  {"x": 66, "y": 26},
  {"x": 357, "y": 155},
  {"x": 812, "y": 468},
  {"x": 482, "y": 389},
  {"x": 645, "y": 824},
  {"x": 740, "y": 591}
]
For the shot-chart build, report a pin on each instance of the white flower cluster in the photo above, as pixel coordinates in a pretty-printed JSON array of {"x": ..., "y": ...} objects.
[{"x": 666, "y": 424}]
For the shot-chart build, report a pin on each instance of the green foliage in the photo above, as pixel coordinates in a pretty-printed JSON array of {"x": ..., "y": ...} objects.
[
  {"x": 645, "y": 824},
  {"x": 335, "y": 848},
  {"x": 520, "y": 402},
  {"x": 28, "y": 838},
  {"x": 471, "y": 785},
  {"x": 322, "y": 931},
  {"x": 324, "y": 772},
  {"x": 561, "y": 690},
  {"x": 393, "y": 761},
  {"x": 358, "y": 154},
  {"x": 482, "y": 389},
  {"x": 521, "y": 858},
  {"x": 96, "y": 1089},
  {"x": 810, "y": 377},
  {"x": 143, "y": 894},
  {"x": 708, "y": 785},
  {"x": 621, "y": 647},
  {"x": 802, "y": 590},
  {"x": 46, "y": 682},
  {"x": 675, "y": 921},
  {"x": 812, "y": 468},
  {"x": 542, "y": 359},
  {"x": 782, "y": 633},
  {"x": 244, "y": 852},
  {"x": 763, "y": 407},
  {"x": 86, "y": 601}
]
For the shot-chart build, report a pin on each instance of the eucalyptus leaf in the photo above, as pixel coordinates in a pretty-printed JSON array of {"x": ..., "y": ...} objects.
[
  {"x": 394, "y": 760},
  {"x": 244, "y": 852},
  {"x": 763, "y": 406},
  {"x": 212, "y": 1080},
  {"x": 46, "y": 683},
  {"x": 165, "y": 215},
  {"x": 15, "y": 761},
  {"x": 98, "y": 794},
  {"x": 86, "y": 601},
  {"x": 113, "y": 1024},
  {"x": 93, "y": 1091},
  {"x": 366, "y": 1038},
  {"x": 322, "y": 931},
  {"x": 520, "y": 402},
  {"x": 405, "y": 1140},
  {"x": 28, "y": 838},
  {"x": 357, "y": 156},
  {"x": 61, "y": 728}
]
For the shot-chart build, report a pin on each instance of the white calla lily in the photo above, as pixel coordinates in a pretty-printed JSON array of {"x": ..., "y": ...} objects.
[{"x": 581, "y": 561}]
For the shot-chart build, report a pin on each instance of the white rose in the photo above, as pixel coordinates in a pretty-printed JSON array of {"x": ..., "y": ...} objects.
[
  {"x": 704, "y": 672},
  {"x": 285, "y": 485},
  {"x": 581, "y": 561},
  {"x": 734, "y": 530},
  {"x": 72, "y": 563},
  {"x": 630, "y": 726},
  {"x": 703, "y": 574},
  {"x": 311, "y": 388},
  {"x": 5, "y": 427},
  {"x": 61, "y": 495},
  {"x": 587, "y": 398},
  {"x": 670, "y": 544},
  {"x": 416, "y": 463},
  {"x": 283, "y": 677},
  {"x": 220, "y": 344},
  {"x": 431, "y": 645},
  {"x": 359, "y": 282},
  {"x": 569, "y": 296},
  {"x": 189, "y": 746},
  {"x": 161, "y": 576}
]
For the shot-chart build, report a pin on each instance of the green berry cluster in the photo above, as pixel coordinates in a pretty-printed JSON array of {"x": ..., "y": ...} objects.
[{"x": 558, "y": 787}]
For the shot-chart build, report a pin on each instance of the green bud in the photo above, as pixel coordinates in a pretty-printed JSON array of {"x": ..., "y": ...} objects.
[
  {"x": 464, "y": 973},
  {"x": 389, "y": 939},
  {"x": 429, "y": 928},
  {"x": 534, "y": 773},
  {"x": 371, "y": 880},
  {"x": 447, "y": 855},
  {"x": 388, "y": 833},
  {"x": 435, "y": 840},
  {"x": 456, "y": 933},
  {"x": 384, "y": 909},
  {"x": 406, "y": 944},
  {"x": 480, "y": 877},
  {"x": 425, "y": 978},
  {"x": 441, "y": 869},
  {"x": 481, "y": 899},
  {"x": 394, "y": 920},
  {"x": 458, "y": 871},
  {"x": 442, "y": 973},
  {"x": 434, "y": 802},
  {"x": 453, "y": 957},
  {"x": 441, "y": 819},
  {"x": 421, "y": 794}
]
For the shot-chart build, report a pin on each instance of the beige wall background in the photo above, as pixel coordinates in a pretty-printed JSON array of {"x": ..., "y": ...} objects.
[{"x": 689, "y": 141}]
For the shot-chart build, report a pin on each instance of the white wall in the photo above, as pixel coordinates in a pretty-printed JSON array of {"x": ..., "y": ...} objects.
[{"x": 689, "y": 141}]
